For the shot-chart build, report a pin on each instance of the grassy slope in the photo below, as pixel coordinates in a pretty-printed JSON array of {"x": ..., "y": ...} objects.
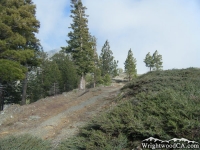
[{"x": 162, "y": 104}]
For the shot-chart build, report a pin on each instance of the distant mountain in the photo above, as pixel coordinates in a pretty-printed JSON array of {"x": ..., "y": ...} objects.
[{"x": 52, "y": 52}]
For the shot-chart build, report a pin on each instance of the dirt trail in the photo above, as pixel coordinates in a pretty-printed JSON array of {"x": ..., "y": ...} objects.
[{"x": 59, "y": 117}]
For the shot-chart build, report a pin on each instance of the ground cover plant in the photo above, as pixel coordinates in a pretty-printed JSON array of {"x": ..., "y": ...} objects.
[
  {"x": 160, "y": 104},
  {"x": 24, "y": 142}
]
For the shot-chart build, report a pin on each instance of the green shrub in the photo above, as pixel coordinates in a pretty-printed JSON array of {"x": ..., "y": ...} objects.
[
  {"x": 107, "y": 80},
  {"x": 160, "y": 104},
  {"x": 24, "y": 142}
]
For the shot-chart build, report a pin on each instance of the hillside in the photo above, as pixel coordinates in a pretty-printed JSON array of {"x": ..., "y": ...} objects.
[
  {"x": 59, "y": 117},
  {"x": 159, "y": 104}
]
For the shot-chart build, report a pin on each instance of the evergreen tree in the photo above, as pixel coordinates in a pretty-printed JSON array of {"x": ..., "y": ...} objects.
[
  {"x": 130, "y": 66},
  {"x": 36, "y": 79},
  {"x": 107, "y": 63},
  {"x": 68, "y": 71},
  {"x": 157, "y": 61},
  {"x": 114, "y": 71},
  {"x": 18, "y": 26},
  {"x": 79, "y": 44},
  {"x": 153, "y": 62},
  {"x": 44, "y": 80},
  {"x": 96, "y": 70},
  {"x": 53, "y": 78},
  {"x": 149, "y": 61}
]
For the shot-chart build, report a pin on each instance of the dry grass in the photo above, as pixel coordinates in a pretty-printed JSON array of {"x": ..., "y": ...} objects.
[{"x": 31, "y": 118}]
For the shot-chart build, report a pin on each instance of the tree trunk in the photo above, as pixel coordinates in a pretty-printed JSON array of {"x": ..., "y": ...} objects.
[
  {"x": 82, "y": 83},
  {"x": 150, "y": 68},
  {"x": 24, "y": 89},
  {"x": 1, "y": 98},
  {"x": 54, "y": 88},
  {"x": 94, "y": 84}
]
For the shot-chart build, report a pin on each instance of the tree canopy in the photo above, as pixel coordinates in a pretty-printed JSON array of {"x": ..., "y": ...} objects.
[
  {"x": 107, "y": 63},
  {"x": 153, "y": 62},
  {"x": 130, "y": 66},
  {"x": 18, "y": 43},
  {"x": 79, "y": 43}
]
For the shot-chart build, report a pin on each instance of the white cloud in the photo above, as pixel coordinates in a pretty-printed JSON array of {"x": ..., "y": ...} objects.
[
  {"x": 54, "y": 22},
  {"x": 170, "y": 26}
]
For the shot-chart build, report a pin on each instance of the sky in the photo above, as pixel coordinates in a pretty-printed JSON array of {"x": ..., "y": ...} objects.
[{"x": 170, "y": 26}]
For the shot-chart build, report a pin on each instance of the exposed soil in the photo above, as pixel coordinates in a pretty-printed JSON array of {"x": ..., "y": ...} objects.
[{"x": 59, "y": 117}]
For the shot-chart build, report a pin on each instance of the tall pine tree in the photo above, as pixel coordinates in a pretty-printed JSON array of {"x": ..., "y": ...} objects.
[
  {"x": 149, "y": 61},
  {"x": 68, "y": 71},
  {"x": 18, "y": 43},
  {"x": 107, "y": 63},
  {"x": 79, "y": 44},
  {"x": 130, "y": 66},
  {"x": 153, "y": 62},
  {"x": 157, "y": 61},
  {"x": 96, "y": 70}
]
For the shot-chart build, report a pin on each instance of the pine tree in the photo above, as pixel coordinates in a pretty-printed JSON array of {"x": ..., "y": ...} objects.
[
  {"x": 96, "y": 70},
  {"x": 114, "y": 71},
  {"x": 130, "y": 66},
  {"x": 79, "y": 44},
  {"x": 53, "y": 78},
  {"x": 45, "y": 80},
  {"x": 149, "y": 61},
  {"x": 68, "y": 71},
  {"x": 153, "y": 62},
  {"x": 18, "y": 26},
  {"x": 157, "y": 61},
  {"x": 36, "y": 78},
  {"x": 107, "y": 63}
]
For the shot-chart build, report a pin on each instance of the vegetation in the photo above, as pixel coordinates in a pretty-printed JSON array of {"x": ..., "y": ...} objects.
[
  {"x": 153, "y": 62},
  {"x": 18, "y": 43},
  {"x": 28, "y": 74},
  {"x": 161, "y": 104},
  {"x": 24, "y": 142},
  {"x": 79, "y": 43},
  {"x": 107, "y": 63},
  {"x": 130, "y": 66},
  {"x": 96, "y": 72},
  {"x": 55, "y": 75},
  {"x": 105, "y": 67}
]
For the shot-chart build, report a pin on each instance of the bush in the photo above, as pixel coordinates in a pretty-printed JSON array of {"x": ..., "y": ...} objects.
[
  {"x": 160, "y": 104},
  {"x": 24, "y": 142},
  {"x": 107, "y": 80}
]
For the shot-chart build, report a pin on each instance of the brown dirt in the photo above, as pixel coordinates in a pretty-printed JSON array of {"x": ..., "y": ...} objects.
[{"x": 59, "y": 117}]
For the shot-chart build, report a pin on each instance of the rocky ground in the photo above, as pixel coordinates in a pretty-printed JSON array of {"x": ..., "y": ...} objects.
[{"x": 59, "y": 117}]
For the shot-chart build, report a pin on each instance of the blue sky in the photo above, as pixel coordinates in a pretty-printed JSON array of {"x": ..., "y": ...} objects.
[{"x": 170, "y": 26}]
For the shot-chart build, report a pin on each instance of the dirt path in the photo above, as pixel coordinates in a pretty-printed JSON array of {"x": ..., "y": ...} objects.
[{"x": 59, "y": 117}]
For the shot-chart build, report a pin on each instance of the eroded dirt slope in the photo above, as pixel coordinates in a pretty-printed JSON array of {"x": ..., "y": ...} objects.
[{"x": 59, "y": 117}]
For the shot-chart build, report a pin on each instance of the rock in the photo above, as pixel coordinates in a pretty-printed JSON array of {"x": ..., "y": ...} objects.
[{"x": 34, "y": 117}]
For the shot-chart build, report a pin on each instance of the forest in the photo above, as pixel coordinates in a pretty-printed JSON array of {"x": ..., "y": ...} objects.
[
  {"x": 163, "y": 104},
  {"x": 28, "y": 74}
]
